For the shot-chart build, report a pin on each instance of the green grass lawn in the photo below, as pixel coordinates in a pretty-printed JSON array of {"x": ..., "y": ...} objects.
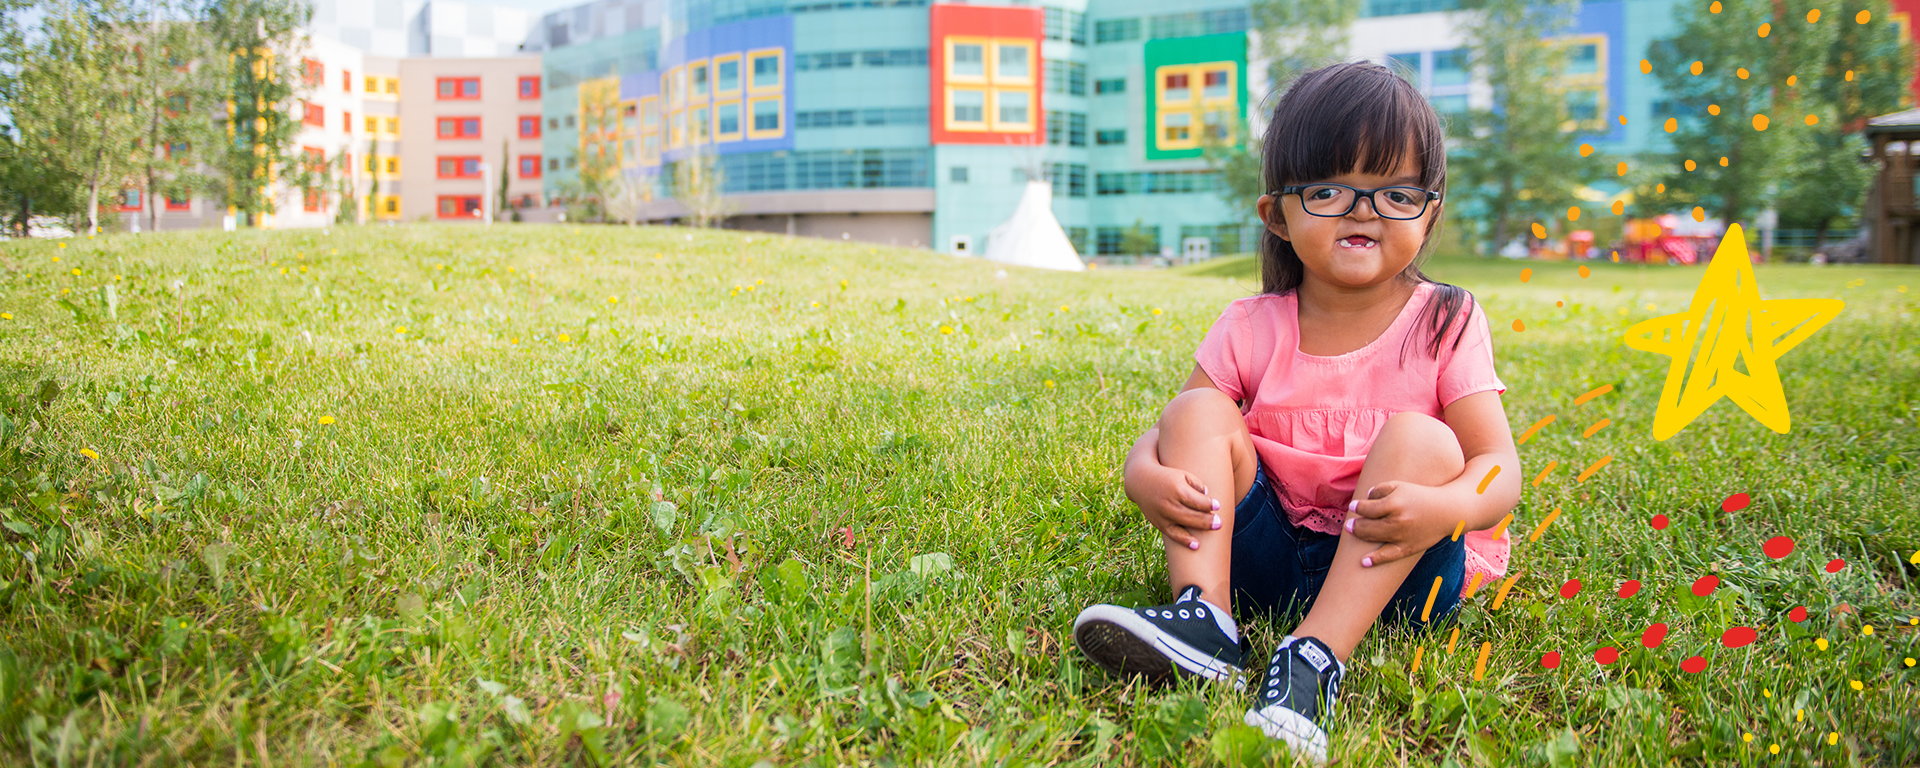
[{"x": 558, "y": 495}]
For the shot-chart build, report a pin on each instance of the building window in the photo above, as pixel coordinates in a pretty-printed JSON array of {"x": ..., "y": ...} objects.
[
  {"x": 1116, "y": 31},
  {"x": 529, "y": 87},
  {"x": 726, "y": 75},
  {"x": 312, "y": 200},
  {"x": 313, "y": 72},
  {"x": 957, "y": 174},
  {"x": 767, "y": 114},
  {"x": 1449, "y": 68},
  {"x": 393, "y": 126},
  {"x": 553, "y": 163},
  {"x": 1068, "y": 77},
  {"x": 459, "y": 168},
  {"x": 766, "y": 69},
  {"x": 392, "y": 205},
  {"x": 314, "y": 115},
  {"x": 969, "y": 61},
  {"x": 1583, "y": 59},
  {"x": 1014, "y": 108},
  {"x": 459, "y": 206},
  {"x": 131, "y": 200},
  {"x": 459, "y": 127},
  {"x": 530, "y": 127},
  {"x": 372, "y": 85},
  {"x": 456, "y": 88},
  {"x": 701, "y": 123},
  {"x": 698, "y": 86},
  {"x": 179, "y": 203},
  {"x": 1110, "y": 137},
  {"x": 1190, "y": 95},
  {"x": 1007, "y": 70},
  {"x": 1155, "y": 183},
  {"x": 346, "y": 122},
  {"x": 1114, "y": 85},
  {"x": 393, "y": 166},
  {"x": 726, "y": 121},
  {"x": 346, "y": 81},
  {"x": 529, "y": 166},
  {"x": 969, "y": 106},
  {"x": 1062, "y": 24}
]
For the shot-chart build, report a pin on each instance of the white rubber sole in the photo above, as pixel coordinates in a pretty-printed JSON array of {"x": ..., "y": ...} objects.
[
  {"x": 1123, "y": 642},
  {"x": 1302, "y": 737}
]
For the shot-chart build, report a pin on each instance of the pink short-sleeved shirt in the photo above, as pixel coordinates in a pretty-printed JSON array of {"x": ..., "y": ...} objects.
[{"x": 1314, "y": 418}]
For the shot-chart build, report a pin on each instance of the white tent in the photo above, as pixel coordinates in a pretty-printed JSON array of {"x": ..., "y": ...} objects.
[{"x": 1031, "y": 237}]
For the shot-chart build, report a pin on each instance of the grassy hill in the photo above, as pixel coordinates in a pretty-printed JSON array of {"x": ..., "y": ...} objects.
[{"x": 591, "y": 495}]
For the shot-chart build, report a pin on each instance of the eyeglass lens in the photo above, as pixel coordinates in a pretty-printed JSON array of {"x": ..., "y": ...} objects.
[{"x": 1391, "y": 202}]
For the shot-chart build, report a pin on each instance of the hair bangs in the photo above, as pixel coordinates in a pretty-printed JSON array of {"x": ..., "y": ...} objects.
[{"x": 1356, "y": 117}]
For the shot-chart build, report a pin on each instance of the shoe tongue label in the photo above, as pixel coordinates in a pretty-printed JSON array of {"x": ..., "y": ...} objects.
[
  {"x": 1188, "y": 595},
  {"x": 1312, "y": 653}
]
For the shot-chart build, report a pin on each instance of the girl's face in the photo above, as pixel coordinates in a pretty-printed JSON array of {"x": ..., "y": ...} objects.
[{"x": 1358, "y": 250}]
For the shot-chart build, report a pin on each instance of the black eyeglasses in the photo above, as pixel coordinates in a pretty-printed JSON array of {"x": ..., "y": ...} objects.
[{"x": 1336, "y": 200}]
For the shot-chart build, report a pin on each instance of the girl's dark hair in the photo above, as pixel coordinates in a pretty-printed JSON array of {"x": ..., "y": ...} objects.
[{"x": 1330, "y": 121}]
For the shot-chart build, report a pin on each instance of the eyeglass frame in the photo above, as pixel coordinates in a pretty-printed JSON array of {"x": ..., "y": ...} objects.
[{"x": 1358, "y": 193}]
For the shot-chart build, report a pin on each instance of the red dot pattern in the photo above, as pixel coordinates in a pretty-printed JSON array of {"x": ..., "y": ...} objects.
[
  {"x": 1607, "y": 655},
  {"x": 1550, "y": 660},
  {"x": 1705, "y": 585},
  {"x": 1631, "y": 588},
  {"x": 1736, "y": 502},
  {"x": 1835, "y": 565},
  {"x": 1694, "y": 665},
  {"x": 1659, "y": 522},
  {"x": 1569, "y": 589},
  {"x": 1798, "y": 614},
  {"x": 1778, "y": 547},
  {"x": 1654, "y": 635},
  {"x": 1736, "y": 637}
]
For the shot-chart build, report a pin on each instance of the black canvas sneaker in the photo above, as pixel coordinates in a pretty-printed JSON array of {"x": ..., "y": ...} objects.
[
  {"x": 1297, "y": 698},
  {"x": 1189, "y": 636}
]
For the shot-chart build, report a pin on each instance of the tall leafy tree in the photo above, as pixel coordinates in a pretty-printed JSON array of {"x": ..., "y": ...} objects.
[
  {"x": 32, "y": 182},
  {"x": 71, "y": 99},
  {"x": 1863, "y": 72},
  {"x": 174, "y": 106},
  {"x": 1516, "y": 161},
  {"x": 260, "y": 40},
  {"x": 1298, "y": 35}
]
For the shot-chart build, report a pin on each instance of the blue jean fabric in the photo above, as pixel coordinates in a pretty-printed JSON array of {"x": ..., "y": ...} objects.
[{"x": 1278, "y": 566}]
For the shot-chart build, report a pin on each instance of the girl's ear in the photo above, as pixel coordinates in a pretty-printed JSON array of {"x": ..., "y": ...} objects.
[{"x": 1270, "y": 213}]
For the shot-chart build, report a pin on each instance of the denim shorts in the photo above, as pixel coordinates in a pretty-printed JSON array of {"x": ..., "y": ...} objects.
[{"x": 1279, "y": 567}]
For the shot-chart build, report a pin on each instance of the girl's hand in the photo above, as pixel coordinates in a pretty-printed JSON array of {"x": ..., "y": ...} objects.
[
  {"x": 1173, "y": 500},
  {"x": 1404, "y": 518}
]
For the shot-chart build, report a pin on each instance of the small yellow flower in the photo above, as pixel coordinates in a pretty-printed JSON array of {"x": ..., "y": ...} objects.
[
  {"x": 1623, "y": 311},
  {"x": 509, "y": 270},
  {"x": 1156, "y": 312},
  {"x": 969, "y": 299},
  {"x": 1833, "y": 738},
  {"x": 1063, "y": 308},
  {"x": 1767, "y": 692},
  {"x": 1910, "y": 661},
  {"x": 89, "y": 453},
  {"x": 1651, "y": 307},
  {"x": 1856, "y": 685},
  {"x": 326, "y": 420},
  {"x": 1901, "y": 288},
  {"x": 76, "y": 271},
  {"x": 1822, "y": 643},
  {"x": 65, "y": 291},
  {"x": 1746, "y": 737},
  {"x": 6, "y": 315},
  {"x": 757, "y": 282},
  {"x": 816, "y": 305},
  {"x": 565, "y": 338},
  {"x": 303, "y": 269},
  {"x": 613, "y": 299},
  {"x": 1867, "y": 630},
  {"x": 116, "y": 278},
  {"x": 1773, "y": 749},
  {"x": 514, "y": 340},
  {"x": 843, "y": 286},
  {"x": 949, "y": 329},
  {"x": 1049, "y": 383},
  {"x": 334, "y": 252},
  {"x": 399, "y": 329},
  {"x": 283, "y": 270}
]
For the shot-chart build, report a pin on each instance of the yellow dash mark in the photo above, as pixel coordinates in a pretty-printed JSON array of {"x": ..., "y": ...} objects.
[
  {"x": 1472, "y": 587},
  {"x": 1500, "y": 597},
  {"x": 1544, "y": 522},
  {"x": 1501, "y": 529},
  {"x": 1480, "y": 664},
  {"x": 1457, "y": 530},
  {"x": 1595, "y": 467},
  {"x": 1543, "y": 473},
  {"x": 1453, "y": 638},
  {"x": 1593, "y": 393},
  {"x": 1431, "y": 594},
  {"x": 1597, "y": 426},
  {"x": 1485, "y": 481},
  {"x": 1418, "y": 652}
]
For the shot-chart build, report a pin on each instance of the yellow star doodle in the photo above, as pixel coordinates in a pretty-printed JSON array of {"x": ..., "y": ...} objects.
[{"x": 1731, "y": 323}]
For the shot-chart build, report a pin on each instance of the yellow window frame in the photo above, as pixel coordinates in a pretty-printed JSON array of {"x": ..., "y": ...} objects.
[
  {"x": 676, "y": 129},
  {"x": 1200, "y": 90},
  {"x": 1599, "y": 75},
  {"x": 747, "y": 116},
  {"x": 703, "y": 65},
  {"x": 993, "y": 66},
  {"x": 739, "y": 105},
  {"x": 754, "y": 56},
  {"x": 986, "y": 115},
  {"x": 1194, "y": 80},
  {"x": 649, "y": 155},
  {"x": 674, "y": 85},
  {"x": 995, "y": 124},
  {"x": 986, "y": 60},
  {"x": 700, "y": 124},
  {"x": 740, "y": 76},
  {"x": 1193, "y": 128}
]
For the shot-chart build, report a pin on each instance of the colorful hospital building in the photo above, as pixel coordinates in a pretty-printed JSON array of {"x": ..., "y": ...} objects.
[{"x": 893, "y": 121}]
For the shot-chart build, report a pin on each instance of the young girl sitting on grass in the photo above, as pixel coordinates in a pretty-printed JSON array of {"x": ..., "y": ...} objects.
[{"x": 1351, "y": 407}]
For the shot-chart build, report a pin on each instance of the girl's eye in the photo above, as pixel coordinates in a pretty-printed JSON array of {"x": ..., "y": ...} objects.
[
  {"x": 1399, "y": 197},
  {"x": 1322, "y": 193}
]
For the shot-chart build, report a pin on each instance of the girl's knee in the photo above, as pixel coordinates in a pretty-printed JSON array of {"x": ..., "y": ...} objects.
[
  {"x": 1204, "y": 405},
  {"x": 1411, "y": 430}
]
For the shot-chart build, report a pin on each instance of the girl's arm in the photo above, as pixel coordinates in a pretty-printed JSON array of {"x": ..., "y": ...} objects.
[{"x": 1409, "y": 518}]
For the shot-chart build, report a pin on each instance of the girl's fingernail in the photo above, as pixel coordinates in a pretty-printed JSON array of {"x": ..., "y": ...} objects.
[
  {"x": 1353, "y": 506},
  {"x": 1350, "y": 524},
  {"x": 1216, "y": 522},
  {"x": 1216, "y": 504},
  {"x": 1195, "y": 544},
  {"x": 1366, "y": 562}
]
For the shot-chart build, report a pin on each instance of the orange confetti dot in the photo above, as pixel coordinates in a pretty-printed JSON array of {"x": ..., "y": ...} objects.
[
  {"x": 1850, "y": 72},
  {"x": 1723, "y": 162},
  {"x": 1863, "y": 17},
  {"x": 1813, "y": 16},
  {"x": 1559, "y": 303},
  {"x": 1584, "y": 271},
  {"x": 1539, "y": 231},
  {"x": 1586, "y": 149},
  {"x": 1573, "y": 213},
  {"x": 1813, "y": 119},
  {"x": 1623, "y": 119},
  {"x": 1660, "y": 188},
  {"x": 1792, "y": 79},
  {"x": 1621, "y": 168},
  {"x": 1518, "y": 326},
  {"x": 1699, "y": 213},
  {"x": 1713, "y": 109},
  {"x": 1525, "y": 275},
  {"x": 1689, "y": 165},
  {"x": 1766, "y": 29},
  {"x": 1715, "y": 8},
  {"x": 1619, "y": 207},
  {"x": 1759, "y": 122},
  {"x": 1616, "y": 254},
  {"x": 1741, "y": 72},
  {"x": 1646, "y": 67},
  {"x": 1672, "y": 125},
  {"x": 1696, "y": 67}
]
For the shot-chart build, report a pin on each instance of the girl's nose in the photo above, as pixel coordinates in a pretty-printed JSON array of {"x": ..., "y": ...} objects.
[{"x": 1353, "y": 212}]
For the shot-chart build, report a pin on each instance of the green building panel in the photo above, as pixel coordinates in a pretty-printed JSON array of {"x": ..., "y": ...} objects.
[{"x": 1186, "y": 96}]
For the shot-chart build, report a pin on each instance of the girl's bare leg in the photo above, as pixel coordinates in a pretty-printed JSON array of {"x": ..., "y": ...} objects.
[
  {"x": 1414, "y": 448},
  {"x": 1202, "y": 432}
]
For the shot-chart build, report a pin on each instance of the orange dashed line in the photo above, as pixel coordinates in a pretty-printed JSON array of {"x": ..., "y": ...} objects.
[
  {"x": 1480, "y": 664},
  {"x": 1597, "y": 426},
  {"x": 1473, "y": 586},
  {"x": 1458, "y": 528},
  {"x": 1432, "y": 593},
  {"x": 1544, "y": 522},
  {"x": 1593, "y": 393},
  {"x": 1485, "y": 481},
  {"x": 1501, "y": 597},
  {"x": 1418, "y": 652},
  {"x": 1500, "y": 529},
  {"x": 1455, "y": 637},
  {"x": 1543, "y": 473},
  {"x": 1528, "y": 435},
  {"x": 1595, "y": 467}
]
